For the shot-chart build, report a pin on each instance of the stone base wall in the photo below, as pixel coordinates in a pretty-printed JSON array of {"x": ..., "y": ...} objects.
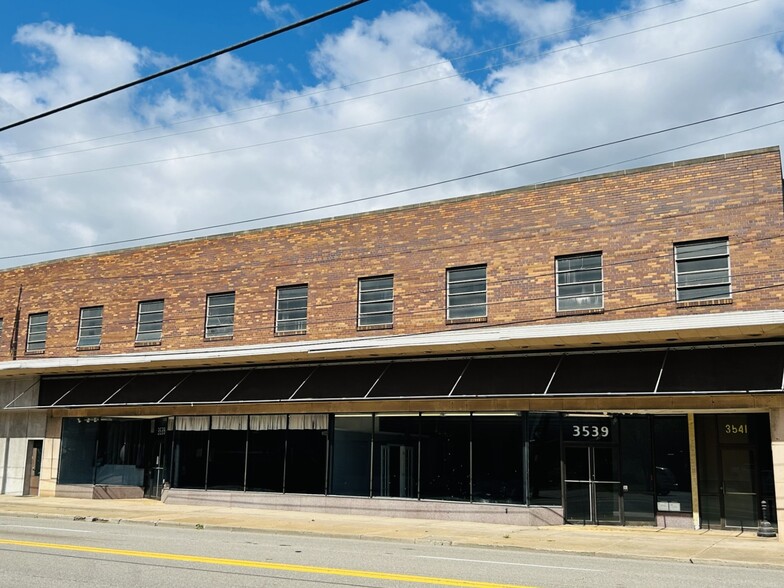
[
  {"x": 389, "y": 507},
  {"x": 17, "y": 428}
]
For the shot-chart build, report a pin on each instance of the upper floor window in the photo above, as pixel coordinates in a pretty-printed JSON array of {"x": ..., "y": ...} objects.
[
  {"x": 220, "y": 315},
  {"x": 466, "y": 292},
  {"x": 90, "y": 326},
  {"x": 149, "y": 326},
  {"x": 578, "y": 282},
  {"x": 375, "y": 301},
  {"x": 36, "y": 331},
  {"x": 702, "y": 270},
  {"x": 291, "y": 309}
]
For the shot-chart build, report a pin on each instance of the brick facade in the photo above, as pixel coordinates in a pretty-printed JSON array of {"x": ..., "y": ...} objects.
[{"x": 632, "y": 217}]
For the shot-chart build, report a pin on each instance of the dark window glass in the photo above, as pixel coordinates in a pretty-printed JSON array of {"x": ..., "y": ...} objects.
[
  {"x": 708, "y": 470},
  {"x": 227, "y": 460},
  {"x": 637, "y": 469},
  {"x": 120, "y": 458},
  {"x": 544, "y": 458},
  {"x": 351, "y": 455},
  {"x": 77, "y": 451},
  {"x": 306, "y": 461},
  {"x": 36, "y": 331},
  {"x": 190, "y": 459},
  {"x": 395, "y": 456},
  {"x": 445, "y": 457},
  {"x": 90, "y": 326},
  {"x": 266, "y": 453},
  {"x": 466, "y": 292},
  {"x": 702, "y": 270},
  {"x": 220, "y": 315},
  {"x": 497, "y": 444},
  {"x": 673, "y": 471},
  {"x": 375, "y": 305},
  {"x": 291, "y": 310},
  {"x": 149, "y": 326},
  {"x": 579, "y": 282}
]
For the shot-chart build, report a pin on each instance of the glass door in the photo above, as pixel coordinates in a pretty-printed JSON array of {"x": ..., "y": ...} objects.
[
  {"x": 593, "y": 487},
  {"x": 740, "y": 497}
]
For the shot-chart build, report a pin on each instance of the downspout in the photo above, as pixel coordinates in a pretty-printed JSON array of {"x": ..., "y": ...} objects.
[{"x": 15, "y": 334}]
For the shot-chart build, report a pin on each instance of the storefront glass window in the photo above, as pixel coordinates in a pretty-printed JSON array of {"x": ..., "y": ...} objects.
[
  {"x": 395, "y": 456},
  {"x": 306, "y": 454},
  {"x": 672, "y": 465},
  {"x": 352, "y": 443},
  {"x": 77, "y": 454},
  {"x": 266, "y": 452},
  {"x": 544, "y": 458},
  {"x": 497, "y": 445},
  {"x": 445, "y": 457}
]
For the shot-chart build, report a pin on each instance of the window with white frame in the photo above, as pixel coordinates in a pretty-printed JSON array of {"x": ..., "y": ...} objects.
[
  {"x": 375, "y": 306},
  {"x": 36, "y": 331},
  {"x": 291, "y": 309},
  {"x": 702, "y": 270},
  {"x": 149, "y": 326},
  {"x": 466, "y": 292},
  {"x": 220, "y": 315},
  {"x": 579, "y": 282},
  {"x": 90, "y": 326}
]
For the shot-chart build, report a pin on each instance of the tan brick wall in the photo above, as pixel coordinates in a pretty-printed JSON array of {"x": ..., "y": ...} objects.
[{"x": 632, "y": 217}]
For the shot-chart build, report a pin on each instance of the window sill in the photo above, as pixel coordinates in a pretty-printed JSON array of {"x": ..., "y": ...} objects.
[
  {"x": 714, "y": 302},
  {"x": 147, "y": 344},
  {"x": 88, "y": 347},
  {"x": 583, "y": 311},
  {"x": 219, "y": 338},
  {"x": 290, "y": 333},
  {"x": 373, "y": 327},
  {"x": 35, "y": 352},
  {"x": 477, "y": 319}
]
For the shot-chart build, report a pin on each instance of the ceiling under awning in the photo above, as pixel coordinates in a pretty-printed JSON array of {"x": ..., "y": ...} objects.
[{"x": 746, "y": 368}]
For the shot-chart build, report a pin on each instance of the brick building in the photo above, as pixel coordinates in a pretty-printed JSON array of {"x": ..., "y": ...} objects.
[{"x": 600, "y": 350}]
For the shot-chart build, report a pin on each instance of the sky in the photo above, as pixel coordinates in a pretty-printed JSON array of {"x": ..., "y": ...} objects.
[{"x": 386, "y": 104}]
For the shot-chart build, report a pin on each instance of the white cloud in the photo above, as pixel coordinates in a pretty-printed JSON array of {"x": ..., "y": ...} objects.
[
  {"x": 530, "y": 17},
  {"x": 280, "y": 14},
  {"x": 284, "y": 174}
]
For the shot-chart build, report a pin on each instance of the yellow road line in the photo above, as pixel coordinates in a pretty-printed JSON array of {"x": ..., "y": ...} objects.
[{"x": 263, "y": 565}]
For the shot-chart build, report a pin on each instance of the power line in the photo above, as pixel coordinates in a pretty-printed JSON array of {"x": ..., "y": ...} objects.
[
  {"x": 399, "y": 191},
  {"x": 418, "y": 84},
  {"x": 365, "y": 81},
  {"x": 203, "y": 58}
]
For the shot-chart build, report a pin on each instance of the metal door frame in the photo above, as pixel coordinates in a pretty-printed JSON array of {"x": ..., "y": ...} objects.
[{"x": 593, "y": 482}]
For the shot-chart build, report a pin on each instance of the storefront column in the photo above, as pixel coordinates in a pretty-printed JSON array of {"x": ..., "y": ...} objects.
[
  {"x": 777, "y": 447},
  {"x": 695, "y": 494},
  {"x": 51, "y": 456}
]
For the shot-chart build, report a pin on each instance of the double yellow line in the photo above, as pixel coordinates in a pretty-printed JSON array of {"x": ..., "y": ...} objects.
[{"x": 282, "y": 567}]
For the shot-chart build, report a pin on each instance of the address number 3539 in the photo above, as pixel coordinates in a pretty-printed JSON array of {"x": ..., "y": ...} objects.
[{"x": 590, "y": 431}]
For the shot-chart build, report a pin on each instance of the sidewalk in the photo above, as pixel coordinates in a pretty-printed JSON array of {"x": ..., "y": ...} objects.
[{"x": 703, "y": 546}]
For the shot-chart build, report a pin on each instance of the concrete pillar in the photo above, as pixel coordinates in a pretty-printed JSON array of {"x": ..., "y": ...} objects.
[
  {"x": 695, "y": 494},
  {"x": 777, "y": 446},
  {"x": 50, "y": 461}
]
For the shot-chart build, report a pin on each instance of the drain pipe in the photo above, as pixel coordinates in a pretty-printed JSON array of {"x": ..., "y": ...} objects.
[{"x": 15, "y": 334}]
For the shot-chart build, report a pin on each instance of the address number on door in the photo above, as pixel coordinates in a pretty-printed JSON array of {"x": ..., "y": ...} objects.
[{"x": 590, "y": 431}]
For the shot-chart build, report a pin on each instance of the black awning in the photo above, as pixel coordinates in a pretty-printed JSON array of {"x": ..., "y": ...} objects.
[
  {"x": 147, "y": 388},
  {"x": 724, "y": 369},
  {"x": 92, "y": 391},
  {"x": 341, "y": 381},
  {"x": 750, "y": 368},
  {"x": 264, "y": 384},
  {"x": 608, "y": 373},
  {"x": 419, "y": 378},
  {"x": 507, "y": 376},
  {"x": 208, "y": 386}
]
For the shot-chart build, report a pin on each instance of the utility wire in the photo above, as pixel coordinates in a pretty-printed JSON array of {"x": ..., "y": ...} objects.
[
  {"x": 203, "y": 58},
  {"x": 384, "y": 121},
  {"x": 365, "y": 81},
  {"x": 399, "y": 191},
  {"x": 456, "y": 74}
]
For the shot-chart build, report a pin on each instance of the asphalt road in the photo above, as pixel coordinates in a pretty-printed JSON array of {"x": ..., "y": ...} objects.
[{"x": 55, "y": 552}]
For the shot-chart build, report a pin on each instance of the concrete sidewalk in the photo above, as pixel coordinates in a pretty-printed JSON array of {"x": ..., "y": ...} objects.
[{"x": 703, "y": 546}]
